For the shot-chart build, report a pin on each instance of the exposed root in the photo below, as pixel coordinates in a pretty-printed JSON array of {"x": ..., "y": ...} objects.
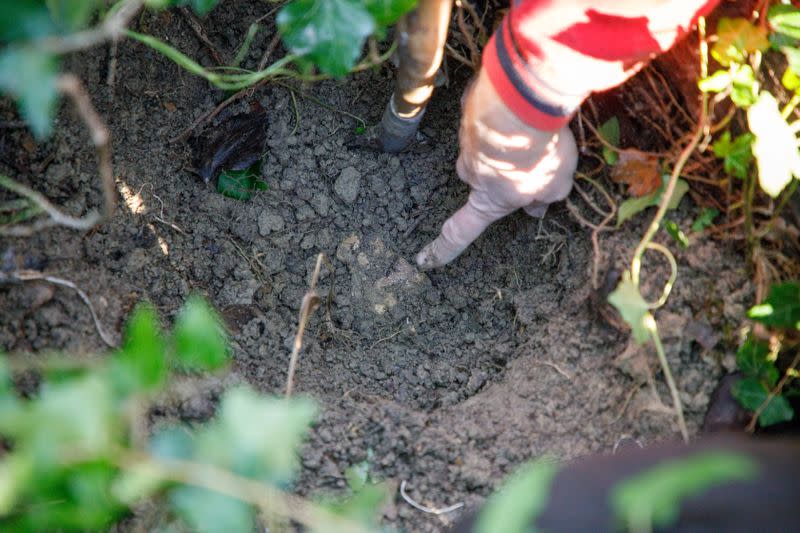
[
  {"x": 429, "y": 510},
  {"x": 30, "y": 275}
]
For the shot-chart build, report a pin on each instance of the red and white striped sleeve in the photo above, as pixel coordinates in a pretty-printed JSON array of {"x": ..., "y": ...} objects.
[{"x": 549, "y": 55}]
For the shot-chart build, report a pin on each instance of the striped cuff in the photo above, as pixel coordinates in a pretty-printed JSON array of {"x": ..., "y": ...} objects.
[{"x": 521, "y": 89}]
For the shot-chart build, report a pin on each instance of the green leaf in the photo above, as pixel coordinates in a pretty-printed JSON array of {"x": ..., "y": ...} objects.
[
  {"x": 211, "y": 512},
  {"x": 785, "y": 19},
  {"x": 716, "y": 83},
  {"x": 792, "y": 57},
  {"x": 75, "y": 498},
  {"x": 632, "y": 307},
  {"x": 16, "y": 470},
  {"x": 256, "y": 436},
  {"x": 72, "y": 14},
  {"x": 330, "y": 32},
  {"x": 172, "y": 443},
  {"x": 363, "y": 506},
  {"x": 387, "y": 12},
  {"x": 610, "y": 132},
  {"x": 652, "y": 498},
  {"x": 24, "y": 19},
  {"x": 75, "y": 416},
  {"x": 744, "y": 91},
  {"x": 790, "y": 80},
  {"x": 357, "y": 475},
  {"x": 675, "y": 232},
  {"x": 520, "y": 501},
  {"x": 752, "y": 360},
  {"x": 736, "y": 155},
  {"x": 633, "y": 206},
  {"x": 774, "y": 147},
  {"x": 736, "y": 38},
  {"x": 135, "y": 485},
  {"x": 201, "y": 7},
  {"x": 781, "y": 309},
  {"x": 240, "y": 184},
  {"x": 29, "y": 75},
  {"x": 200, "y": 341},
  {"x": 705, "y": 219},
  {"x": 752, "y": 394},
  {"x": 141, "y": 364}
]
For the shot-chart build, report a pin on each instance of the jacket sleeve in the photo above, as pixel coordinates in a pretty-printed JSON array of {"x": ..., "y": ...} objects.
[{"x": 549, "y": 55}]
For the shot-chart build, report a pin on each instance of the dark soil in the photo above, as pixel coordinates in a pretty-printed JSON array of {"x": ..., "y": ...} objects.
[{"x": 450, "y": 378}]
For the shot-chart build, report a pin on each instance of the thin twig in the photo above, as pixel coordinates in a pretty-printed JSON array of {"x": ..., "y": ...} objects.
[
  {"x": 101, "y": 138},
  {"x": 200, "y": 33},
  {"x": 424, "y": 509},
  {"x": 273, "y": 44},
  {"x": 751, "y": 426},
  {"x": 111, "y": 28},
  {"x": 310, "y": 302}
]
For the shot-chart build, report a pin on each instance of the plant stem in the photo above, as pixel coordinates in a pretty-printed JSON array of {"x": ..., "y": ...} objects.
[
  {"x": 267, "y": 498},
  {"x": 673, "y": 389},
  {"x": 790, "y": 106},
  {"x": 787, "y": 194},
  {"x": 750, "y": 237}
]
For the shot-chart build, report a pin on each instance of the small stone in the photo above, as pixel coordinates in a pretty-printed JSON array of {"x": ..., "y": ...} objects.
[
  {"x": 347, "y": 184},
  {"x": 269, "y": 222}
]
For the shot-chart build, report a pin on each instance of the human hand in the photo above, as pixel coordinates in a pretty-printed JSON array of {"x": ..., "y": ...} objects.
[{"x": 507, "y": 164}]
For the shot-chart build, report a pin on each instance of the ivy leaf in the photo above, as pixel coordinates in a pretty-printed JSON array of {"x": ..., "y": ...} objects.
[
  {"x": 785, "y": 19},
  {"x": 792, "y": 57},
  {"x": 632, "y": 206},
  {"x": 736, "y": 155},
  {"x": 752, "y": 393},
  {"x": 240, "y": 184},
  {"x": 386, "y": 12},
  {"x": 363, "y": 505},
  {"x": 211, "y": 512},
  {"x": 716, "y": 83},
  {"x": 520, "y": 501},
  {"x": 752, "y": 360},
  {"x": 632, "y": 307},
  {"x": 256, "y": 436},
  {"x": 330, "y": 32},
  {"x": 790, "y": 80},
  {"x": 72, "y": 14},
  {"x": 653, "y": 497},
  {"x": 736, "y": 38},
  {"x": 357, "y": 475},
  {"x": 744, "y": 91},
  {"x": 705, "y": 219},
  {"x": 75, "y": 415},
  {"x": 141, "y": 362},
  {"x": 200, "y": 341},
  {"x": 676, "y": 233},
  {"x": 610, "y": 132},
  {"x": 201, "y": 7},
  {"x": 29, "y": 75},
  {"x": 774, "y": 147},
  {"x": 24, "y": 19},
  {"x": 781, "y": 308}
]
